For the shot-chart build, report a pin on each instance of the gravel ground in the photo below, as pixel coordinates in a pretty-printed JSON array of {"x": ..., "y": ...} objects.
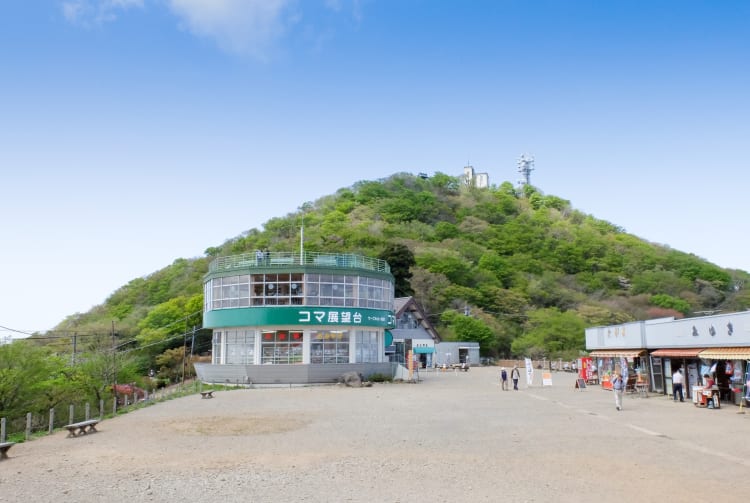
[{"x": 451, "y": 436}]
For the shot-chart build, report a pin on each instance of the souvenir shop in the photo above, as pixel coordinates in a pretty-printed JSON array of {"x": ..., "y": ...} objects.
[{"x": 652, "y": 351}]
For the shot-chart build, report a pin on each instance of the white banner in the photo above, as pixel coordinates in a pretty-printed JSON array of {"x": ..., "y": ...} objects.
[{"x": 529, "y": 371}]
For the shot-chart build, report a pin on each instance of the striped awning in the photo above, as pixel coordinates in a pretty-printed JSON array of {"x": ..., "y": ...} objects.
[
  {"x": 618, "y": 353},
  {"x": 725, "y": 354},
  {"x": 678, "y": 352}
]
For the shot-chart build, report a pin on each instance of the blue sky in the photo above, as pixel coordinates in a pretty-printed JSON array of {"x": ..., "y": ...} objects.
[{"x": 135, "y": 132}]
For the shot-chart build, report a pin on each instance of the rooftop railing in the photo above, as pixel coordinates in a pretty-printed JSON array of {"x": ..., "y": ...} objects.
[{"x": 285, "y": 259}]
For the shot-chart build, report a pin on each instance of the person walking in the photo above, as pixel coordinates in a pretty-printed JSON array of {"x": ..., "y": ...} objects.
[
  {"x": 515, "y": 375},
  {"x": 504, "y": 378},
  {"x": 678, "y": 381},
  {"x": 618, "y": 387}
]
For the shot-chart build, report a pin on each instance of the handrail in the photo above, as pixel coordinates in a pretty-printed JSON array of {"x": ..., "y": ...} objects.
[{"x": 285, "y": 259}]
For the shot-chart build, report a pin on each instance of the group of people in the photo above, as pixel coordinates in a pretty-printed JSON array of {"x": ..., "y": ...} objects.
[
  {"x": 515, "y": 374},
  {"x": 262, "y": 256},
  {"x": 678, "y": 384}
]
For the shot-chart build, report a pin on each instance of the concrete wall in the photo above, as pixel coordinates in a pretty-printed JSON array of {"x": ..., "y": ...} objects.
[
  {"x": 286, "y": 374},
  {"x": 626, "y": 335},
  {"x": 447, "y": 352},
  {"x": 720, "y": 330}
]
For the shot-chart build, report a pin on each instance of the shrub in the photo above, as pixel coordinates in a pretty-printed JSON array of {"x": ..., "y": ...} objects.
[{"x": 379, "y": 378}]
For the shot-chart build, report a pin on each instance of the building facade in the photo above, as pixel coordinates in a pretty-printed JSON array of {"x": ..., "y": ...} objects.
[
  {"x": 717, "y": 345},
  {"x": 413, "y": 333},
  {"x": 283, "y": 317}
]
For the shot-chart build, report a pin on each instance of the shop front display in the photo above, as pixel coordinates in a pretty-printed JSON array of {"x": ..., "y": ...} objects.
[
  {"x": 706, "y": 397},
  {"x": 630, "y": 364},
  {"x": 728, "y": 366},
  {"x": 694, "y": 350},
  {"x": 671, "y": 360}
]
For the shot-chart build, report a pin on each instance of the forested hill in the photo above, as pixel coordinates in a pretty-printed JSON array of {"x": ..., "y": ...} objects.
[{"x": 530, "y": 270}]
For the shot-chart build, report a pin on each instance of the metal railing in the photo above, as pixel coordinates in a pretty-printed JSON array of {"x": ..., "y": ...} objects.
[{"x": 282, "y": 260}]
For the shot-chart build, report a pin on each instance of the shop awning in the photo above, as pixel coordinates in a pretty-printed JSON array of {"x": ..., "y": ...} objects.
[
  {"x": 678, "y": 352},
  {"x": 618, "y": 353},
  {"x": 423, "y": 350},
  {"x": 725, "y": 354}
]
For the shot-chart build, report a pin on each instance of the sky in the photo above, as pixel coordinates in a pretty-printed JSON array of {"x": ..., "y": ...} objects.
[{"x": 137, "y": 132}]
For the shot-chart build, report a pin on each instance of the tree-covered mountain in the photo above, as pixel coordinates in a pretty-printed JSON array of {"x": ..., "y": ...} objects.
[
  {"x": 530, "y": 271},
  {"x": 521, "y": 272}
]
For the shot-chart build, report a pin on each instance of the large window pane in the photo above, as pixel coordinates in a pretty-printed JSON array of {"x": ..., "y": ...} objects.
[{"x": 329, "y": 347}]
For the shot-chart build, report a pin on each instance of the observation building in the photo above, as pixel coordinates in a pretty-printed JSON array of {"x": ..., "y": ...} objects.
[{"x": 296, "y": 318}]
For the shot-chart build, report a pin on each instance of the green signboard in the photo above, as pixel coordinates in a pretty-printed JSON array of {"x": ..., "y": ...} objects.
[{"x": 298, "y": 315}]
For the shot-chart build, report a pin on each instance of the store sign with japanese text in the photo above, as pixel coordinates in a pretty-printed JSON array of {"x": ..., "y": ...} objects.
[{"x": 299, "y": 315}]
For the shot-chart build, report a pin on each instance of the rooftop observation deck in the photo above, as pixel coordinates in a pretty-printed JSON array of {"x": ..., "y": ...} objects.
[{"x": 285, "y": 260}]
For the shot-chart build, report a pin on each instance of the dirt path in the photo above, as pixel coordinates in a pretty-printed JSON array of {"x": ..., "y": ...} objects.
[{"x": 451, "y": 436}]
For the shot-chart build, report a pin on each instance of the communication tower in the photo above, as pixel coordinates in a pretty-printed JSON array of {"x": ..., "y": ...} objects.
[{"x": 525, "y": 167}]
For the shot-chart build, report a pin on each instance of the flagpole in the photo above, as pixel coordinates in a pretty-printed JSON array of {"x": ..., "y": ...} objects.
[{"x": 302, "y": 243}]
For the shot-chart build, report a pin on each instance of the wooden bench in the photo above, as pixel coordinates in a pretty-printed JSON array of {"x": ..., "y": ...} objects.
[
  {"x": 82, "y": 428},
  {"x": 207, "y": 394},
  {"x": 4, "y": 449}
]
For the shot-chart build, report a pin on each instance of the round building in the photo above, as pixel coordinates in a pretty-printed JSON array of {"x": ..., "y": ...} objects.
[{"x": 295, "y": 318}]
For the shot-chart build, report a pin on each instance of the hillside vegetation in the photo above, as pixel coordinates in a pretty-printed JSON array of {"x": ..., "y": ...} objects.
[
  {"x": 531, "y": 271},
  {"x": 521, "y": 272}
]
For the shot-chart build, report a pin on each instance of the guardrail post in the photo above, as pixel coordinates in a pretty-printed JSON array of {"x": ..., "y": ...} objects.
[
  {"x": 28, "y": 425},
  {"x": 101, "y": 408},
  {"x": 88, "y": 411},
  {"x": 2, "y": 429},
  {"x": 71, "y": 414},
  {"x": 51, "y": 421}
]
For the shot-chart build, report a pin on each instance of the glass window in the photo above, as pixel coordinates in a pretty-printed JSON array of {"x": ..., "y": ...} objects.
[
  {"x": 216, "y": 353},
  {"x": 297, "y": 289},
  {"x": 240, "y": 347},
  {"x": 281, "y": 347},
  {"x": 366, "y": 346},
  {"x": 329, "y": 347}
]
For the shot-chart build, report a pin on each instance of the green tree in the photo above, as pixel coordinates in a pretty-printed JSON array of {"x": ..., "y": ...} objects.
[
  {"x": 401, "y": 260},
  {"x": 467, "y": 328},
  {"x": 168, "y": 320},
  {"x": 669, "y": 302},
  {"x": 556, "y": 333},
  {"x": 27, "y": 373}
]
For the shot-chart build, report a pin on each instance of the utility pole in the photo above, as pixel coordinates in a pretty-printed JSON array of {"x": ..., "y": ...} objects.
[
  {"x": 192, "y": 342},
  {"x": 184, "y": 353},
  {"x": 114, "y": 358}
]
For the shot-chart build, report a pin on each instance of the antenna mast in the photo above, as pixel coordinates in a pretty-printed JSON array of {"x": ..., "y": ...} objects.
[
  {"x": 302, "y": 242},
  {"x": 525, "y": 167}
]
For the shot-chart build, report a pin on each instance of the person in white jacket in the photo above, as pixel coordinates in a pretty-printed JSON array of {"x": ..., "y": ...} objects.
[{"x": 678, "y": 380}]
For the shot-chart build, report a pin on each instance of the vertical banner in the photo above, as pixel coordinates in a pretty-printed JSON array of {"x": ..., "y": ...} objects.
[
  {"x": 624, "y": 370},
  {"x": 529, "y": 371},
  {"x": 410, "y": 364}
]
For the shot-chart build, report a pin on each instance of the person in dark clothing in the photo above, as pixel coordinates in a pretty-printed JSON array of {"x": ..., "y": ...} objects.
[{"x": 504, "y": 378}]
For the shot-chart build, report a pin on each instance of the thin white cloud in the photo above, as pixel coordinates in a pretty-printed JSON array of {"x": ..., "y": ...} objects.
[
  {"x": 242, "y": 26},
  {"x": 95, "y": 12},
  {"x": 247, "y": 27}
]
